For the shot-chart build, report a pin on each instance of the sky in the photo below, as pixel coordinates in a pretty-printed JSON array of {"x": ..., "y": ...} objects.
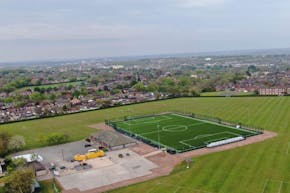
[{"x": 65, "y": 29}]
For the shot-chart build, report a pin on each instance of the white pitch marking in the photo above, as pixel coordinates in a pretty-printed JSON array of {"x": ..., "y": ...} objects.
[
  {"x": 280, "y": 187},
  {"x": 275, "y": 180},
  {"x": 153, "y": 120},
  {"x": 194, "y": 124},
  {"x": 184, "y": 187},
  {"x": 265, "y": 185},
  {"x": 287, "y": 152},
  {"x": 177, "y": 189},
  {"x": 214, "y": 123},
  {"x": 141, "y": 134}
]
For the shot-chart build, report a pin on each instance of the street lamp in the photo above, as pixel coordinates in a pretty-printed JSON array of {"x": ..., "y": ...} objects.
[{"x": 188, "y": 160}]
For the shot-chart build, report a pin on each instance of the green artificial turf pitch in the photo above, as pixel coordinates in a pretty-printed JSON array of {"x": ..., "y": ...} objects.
[{"x": 179, "y": 133}]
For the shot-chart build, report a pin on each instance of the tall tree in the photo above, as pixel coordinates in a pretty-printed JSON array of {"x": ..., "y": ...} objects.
[
  {"x": 4, "y": 141},
  {"x": 20, "y": 181}
]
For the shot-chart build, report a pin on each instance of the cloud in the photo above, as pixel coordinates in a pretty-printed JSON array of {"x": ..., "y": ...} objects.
[
  {"x": 199, "y": 3},
  {"x": 45, "y": 31}
]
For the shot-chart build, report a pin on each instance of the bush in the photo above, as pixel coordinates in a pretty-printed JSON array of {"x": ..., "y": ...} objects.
[
  {"x": 20, "y": 180},
  {"x": 13, "y": 164},
  {"x": 16, "y": 142},
  {"x": 55, "y": 138}
]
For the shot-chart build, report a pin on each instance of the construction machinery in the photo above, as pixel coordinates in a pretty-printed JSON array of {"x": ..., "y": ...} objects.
[{"x": 90, "y": 155}]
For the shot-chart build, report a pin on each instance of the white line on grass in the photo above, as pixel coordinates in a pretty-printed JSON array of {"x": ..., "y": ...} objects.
[
  {"x": 277, "y": 180},
  {"x": 177, "y": 189},
  {"x": 194, "y": 124},
  {"x": 207, "y": 135},
  {"x": 215, "y": 140},
  {"x": 274, "y": 180},
  {"x": 153, "y": 120},
  {"x": 265, "y": 185},
  {"x": 213, "y": 134},
  {"x": 281, "y": 185},
  {"x": 186, "y": 144},
  {"x": 287, "y": 151},
  {"x": 150, "y": 132},
  {"x": 170, "y": 128}
]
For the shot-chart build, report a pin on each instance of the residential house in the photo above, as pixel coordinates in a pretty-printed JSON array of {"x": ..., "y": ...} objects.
[{"x": 274, "y": 91}]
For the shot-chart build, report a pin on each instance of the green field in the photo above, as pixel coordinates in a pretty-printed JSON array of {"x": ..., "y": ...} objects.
[
  {"x": 76, "y": 83},
  {"x": 177, "y": 132},
  {"x": 263, "y": 167}
]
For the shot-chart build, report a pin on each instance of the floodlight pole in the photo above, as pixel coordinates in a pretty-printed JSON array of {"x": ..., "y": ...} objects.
[
  {"x": 129, "y": 114},
  {"x": 248, "y": 116},
  {"x": 62, "y": 154},
  {"x": 188, "y": 160},
  {"x": 158, "y": 137}
]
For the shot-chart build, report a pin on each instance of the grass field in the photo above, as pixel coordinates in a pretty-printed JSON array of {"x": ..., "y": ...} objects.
[
  {"x": 50, "y": 85},
  {"x": 257, "y": 168},
  {"x": 179, "y": 133}
]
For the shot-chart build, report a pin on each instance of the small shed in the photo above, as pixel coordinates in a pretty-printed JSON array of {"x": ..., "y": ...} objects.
[
  {"x": 112, "y": 140},
  {"x": 38, "y": 167}
]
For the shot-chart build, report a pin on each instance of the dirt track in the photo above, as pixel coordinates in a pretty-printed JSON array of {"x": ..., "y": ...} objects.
[{"x": 167, "y": 162}]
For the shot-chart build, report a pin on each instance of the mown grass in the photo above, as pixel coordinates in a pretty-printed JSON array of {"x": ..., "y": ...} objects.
[{"x": 240, "y": 170}]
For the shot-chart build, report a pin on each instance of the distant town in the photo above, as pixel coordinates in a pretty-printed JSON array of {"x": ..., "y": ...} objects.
[{"x": 60, "y": 88}]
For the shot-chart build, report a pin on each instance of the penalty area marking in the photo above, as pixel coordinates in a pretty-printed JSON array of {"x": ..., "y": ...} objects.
[
  {"x": 208, "y": 135},
  {"x": 191, "y": 146},
  {"x": 213, "y": 134},
  {"x": 214, "y": 123}
]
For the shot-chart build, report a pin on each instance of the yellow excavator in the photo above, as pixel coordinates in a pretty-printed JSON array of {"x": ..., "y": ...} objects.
[{"x": 90, "y": 155}]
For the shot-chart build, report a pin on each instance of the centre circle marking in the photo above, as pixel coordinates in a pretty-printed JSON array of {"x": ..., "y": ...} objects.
[{"x": 175, "y": 128}]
